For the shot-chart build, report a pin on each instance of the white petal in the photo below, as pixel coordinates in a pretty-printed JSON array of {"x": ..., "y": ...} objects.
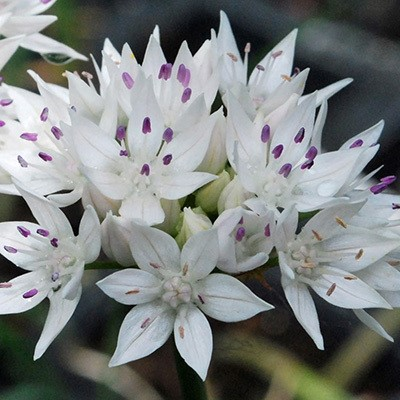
[
  {"x": 150, "y": 245},
  {"x": 225, "y": 298},
  {"x": 59, "y": 314},
  {"x": 131, "y": 286},
  {"x": 372, "y": 323},
  {"x": 381, "y": 276},
  {"x": 145, "y": 328},
  {"x": 303, "y": 307},
  {"x": 7, "y": 48},
  {"x": 200, "y": 254},
  {"x": 11, "y": 298},
  {"x": 89, "y": 234},
  {"x": 193, "y": 339}
]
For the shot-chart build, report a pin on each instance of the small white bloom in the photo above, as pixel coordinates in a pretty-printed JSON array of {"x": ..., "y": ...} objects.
[
  {"x": 55, "y": 259},
  {"x": 170, "y": 290}
]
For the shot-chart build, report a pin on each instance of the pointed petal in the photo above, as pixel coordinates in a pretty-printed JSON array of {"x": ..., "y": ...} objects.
[
  {"x": 226, "y": 299},
  {"x": 145, "y": 328},
  {"x": 372, "y": 324},
  {"x": 131, "y": 286},
  {"x": 59, "y": 314},
  {"x": 90, "y": 234},
  {"x": 193, "y": 339}
]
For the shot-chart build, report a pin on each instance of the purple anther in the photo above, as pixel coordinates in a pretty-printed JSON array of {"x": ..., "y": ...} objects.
[
  {"x": 307, "y": 164},
  {"x": 2, "y": 123},
  {"x": 388, "y": 179},
  {"x": 285, "y": 170},
  {"x": 44, "y": 114},
  {"x": 296, "y": 71},
  {"x": 186, "y": 95},
  {"x": 45, "y": 1},
  {"x": 277, "y": 54},
  {"x": 57, "y": 132},
  {"x": 356, "y": 143},
  {"x": 379, "y": 188},
  {"x": 128, "y": 80},
  {"x": 5, "y": 102},
  {"x": 54, "y": 276},
  {"x": 277, "y": 151},
  {"x": 145, "y": 170},
  {"x": 31, "y": 137},
  {"x": 265, "y": 133},
  {"x": 42, "y": 232},
  {"x": 200, "y": 298},
  {"x": 23, "y": 231},
  {"x": 10, "y": 249},
  {"x": 240, "y": 234},
  {"x": 44, "y": 156},
  {"x": 267, "y": 231},
  {"x": 30, "y": 293},
  {"x": 167, "y": 159},
  {"x": 54, "y": 242},
  {"x": 299, "y": 135},
  {"x": 5, "y": 285},
  {"x": 22, "y": 162},
  {"x": 311, "y": 153},
  {"x": 260, "y": 67},
  {"x": 120, "y": 133},
  {"x": 165, "y": 71},
  {"x": 395, "y": 206},
  {"x": 183, "y": 75},
  {"x": 146, "y": 127},
  {"x": 168, "y": 135},
  {"x": 123, "y": 153}
]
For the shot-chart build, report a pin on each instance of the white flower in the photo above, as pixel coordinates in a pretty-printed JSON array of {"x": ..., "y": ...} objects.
[
  {"x": 55, "y": 259},
  {"x": 170, "y": 290},
  {"x": 327, "y": 255},
  {"x": 19, "y": 21}
]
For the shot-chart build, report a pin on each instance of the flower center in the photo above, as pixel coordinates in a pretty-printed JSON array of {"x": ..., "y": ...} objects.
[
  {"x": 303, "y": 257},
  {"x": 176, "y": 292}
]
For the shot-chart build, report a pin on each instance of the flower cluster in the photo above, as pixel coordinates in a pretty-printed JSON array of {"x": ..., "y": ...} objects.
[{"x": 182, "y": 195}]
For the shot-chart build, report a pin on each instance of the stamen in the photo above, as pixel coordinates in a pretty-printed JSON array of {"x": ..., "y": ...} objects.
[
  {"x": 31, "y": 137},
  {"x": 154, "y": 265},
  {"x": 146, "y": 127},
  {"x": 183, "y": 75},
  {"x": 181, "y": 330},
  {"x": 120, "y": 133},
  {"x": 45, "y": 1},
  {"x": 340, "y": 222},
  {"x": 87, "y": 75},
  {"x": 23, "y": 231},
  {"x": 201, "y": 299},
  {"x": 54, "y": 242},
  {"x": 5, "y": 102},
  {"x": 5, "y": 285},
  {"x": 260, "y": 67},
  {"x": 54, "y": 276},
  {"x": 359, "y": 254},
  {"x": 388, "y": 179},
  {"x": 168, "y": 135},
  {"x": 22, "y": 162},
  {"x": 285, "y": 170},
  {"x": 128, "y": 80},
  {"x": 247, "y": 48},
  {"x": 123, "y": 153},
  {"x": 10, "y": 249},
  {"x": 350, "y": 277},
  {"x": 57, "y": 132},
  {"x": 379, "y": 188},
  {"x": 30, "y": 293},
  {"x": 2, "y": 123},
  {"x": 145, "y": 323},
  {"x": 240, "y": 233},
  {"x": 44, "y": 114},
  {"x": 286, "y": 78},
  {"x": 331, "y": 289},
  {"x": 42, "y": 232},
  {"x": 265, "y": 133},
  {"x": 316, "y": 235},
  {"x": 299, "y": 136},
  {"x": 186, "y": 95},
  {"x": 185, "y": 269},
  {"x": 267, "y": 231},
  {"x": 45, "y": 157},
  {"x": 311, "y": 153},
  {"x": 356, "y": 143},
  {"x": 165, "y": 71},
  {"x": 307, "y": 164},
  {"x": 277, "y": 54},
  {"x": 145, "y": 170},
  {"x": 277, "y": 151},
  {"x": 232, "y": 57},
  {"x": 167, "y": 159},
  {"x": 133, "y": 291},
  {"x": 395, "y": 206}
]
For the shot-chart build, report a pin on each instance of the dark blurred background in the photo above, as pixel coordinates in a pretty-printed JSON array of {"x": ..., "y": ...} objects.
[{"x": 337, "y": 39}]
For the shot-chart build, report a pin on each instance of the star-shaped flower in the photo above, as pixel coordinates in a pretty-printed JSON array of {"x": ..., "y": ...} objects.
[
  {"x": 55, "y": 259},
  {"x": 171, "y": 291}
]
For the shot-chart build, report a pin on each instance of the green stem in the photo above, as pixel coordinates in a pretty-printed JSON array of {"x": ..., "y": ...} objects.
[{"x": 192, "y": 387}]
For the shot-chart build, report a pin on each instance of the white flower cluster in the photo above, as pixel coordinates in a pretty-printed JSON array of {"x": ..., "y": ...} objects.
[{"x": 187, "y": 197}]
